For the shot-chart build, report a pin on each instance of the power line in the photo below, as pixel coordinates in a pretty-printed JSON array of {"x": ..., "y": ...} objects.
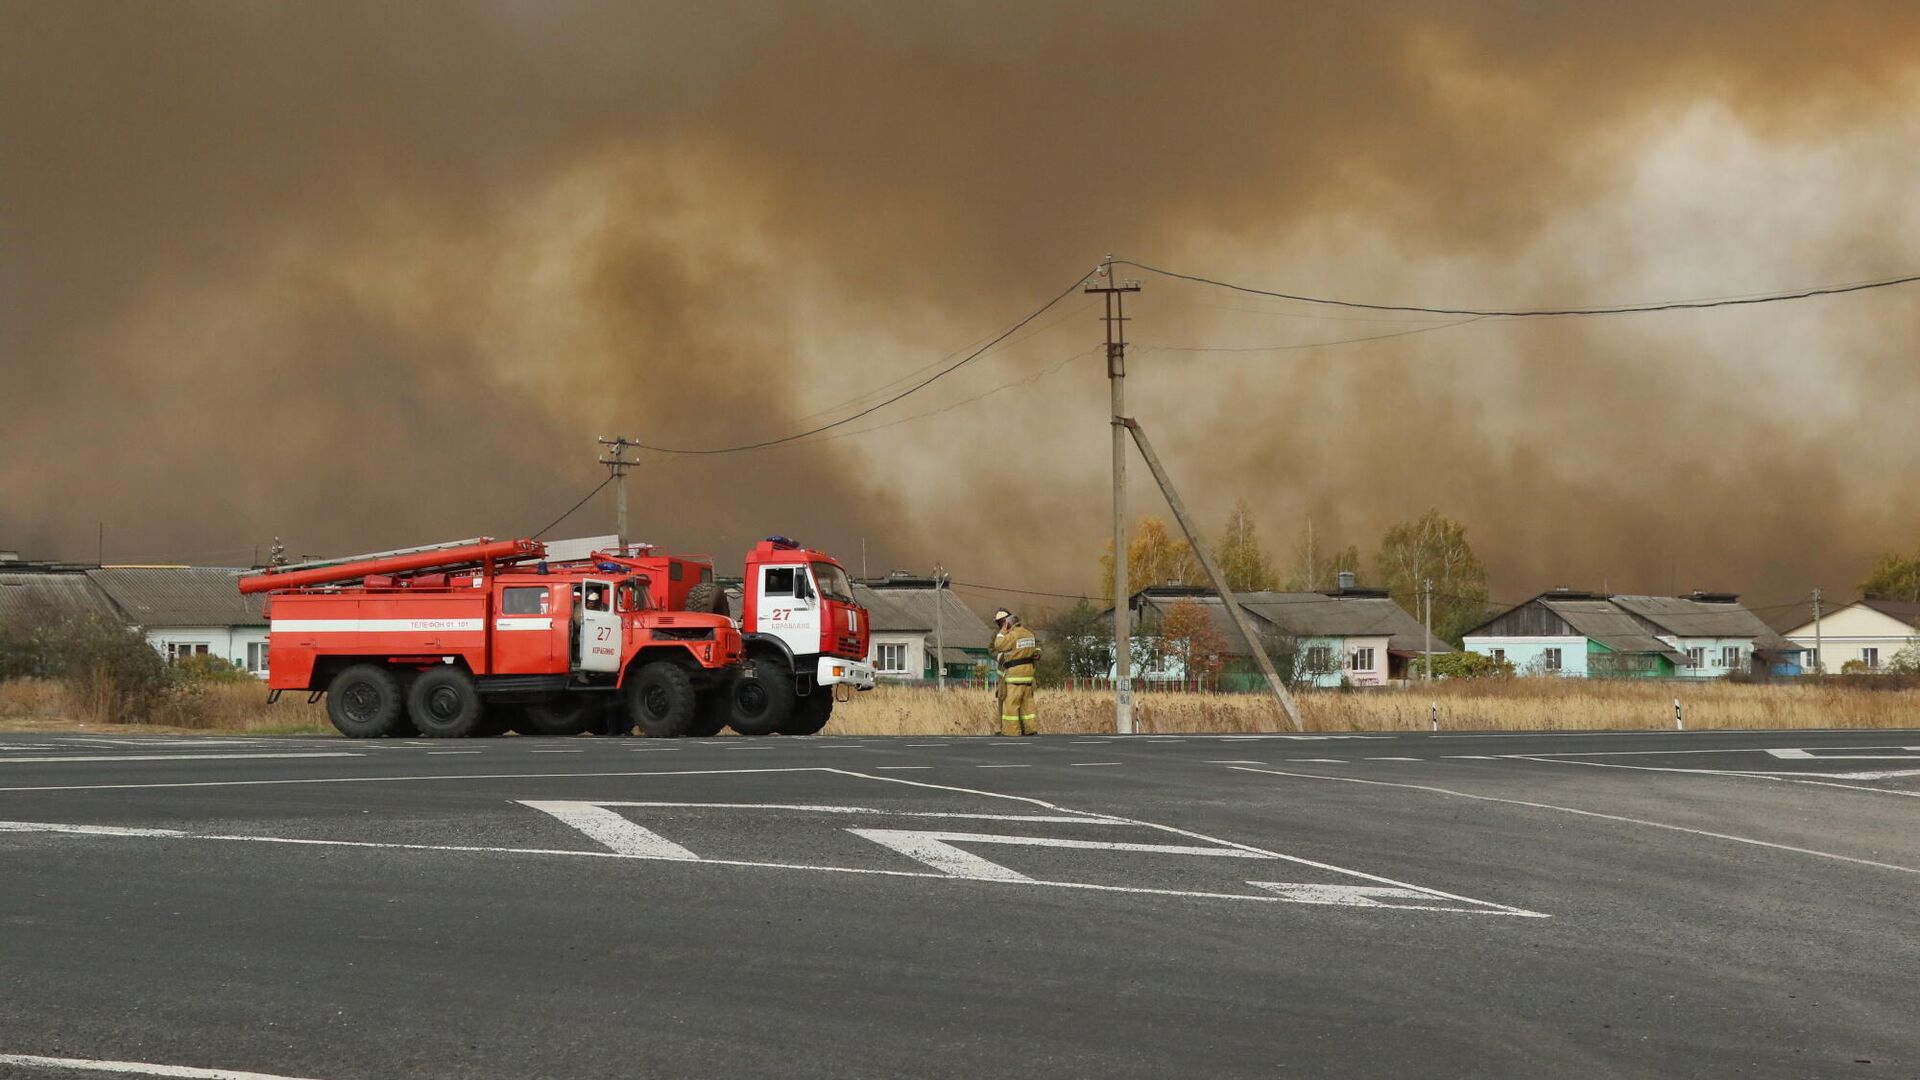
[
  {"x": 575, "y": 506},
  {"x": 1536, "y": 313},
  {"x": 914, "y": 389},
  {"x": 1307, "y": 344}
]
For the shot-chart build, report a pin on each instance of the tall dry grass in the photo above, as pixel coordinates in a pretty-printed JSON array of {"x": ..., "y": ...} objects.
[
  {"x": 206, "y": 706},
  {"x": 1466, "y": 705}
]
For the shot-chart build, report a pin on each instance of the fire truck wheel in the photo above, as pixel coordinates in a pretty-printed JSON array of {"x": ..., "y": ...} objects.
[
  {"x": 810, "y": 714},
  {"x": 364, "y": 701},
  {"x": 444, "y": 704},
  {"x": 660, "y": 700},
  {"x": 708, "y": 597},
  {"x": 710, "y": 715},
  {"x": 764, "y": 700}
]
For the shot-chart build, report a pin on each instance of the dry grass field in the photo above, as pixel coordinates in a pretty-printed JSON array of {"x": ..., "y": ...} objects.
[
  {"x": 1468, "y": 705},
  {"x": 1490, "y": 705}
]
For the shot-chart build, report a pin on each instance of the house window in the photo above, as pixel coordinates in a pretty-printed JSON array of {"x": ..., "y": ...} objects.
[
  {"x": 1319, "y": 658},
  {"x": 891, "y": 657},
  {"x": 1551, "y": 659},
  {"x": 1697, "y": 656},
  {"x": 1730, "y": 656},
  {"x": 1870, "y": 657},
  {"x": 180, "y": 650},
  {"x": 256, "y": 656},
  {"x": 1361, "y": 660},
  {"x": 1499, "y": 656}
]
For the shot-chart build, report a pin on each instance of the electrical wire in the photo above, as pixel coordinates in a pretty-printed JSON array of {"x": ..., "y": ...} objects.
[
  {"x": 575, "y": 506},
  {"x": 1538, "y": 313},
  {"x": 1305, "y": 344},
  {"x": 914, "y": 389}
]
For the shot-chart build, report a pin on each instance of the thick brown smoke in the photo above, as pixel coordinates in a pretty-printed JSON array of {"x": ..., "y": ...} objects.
[{"x": 369, "y": 275}]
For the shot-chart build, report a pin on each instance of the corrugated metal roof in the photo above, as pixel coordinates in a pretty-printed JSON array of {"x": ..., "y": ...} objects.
[
  {"x": 895, "y": 609},
  {"x": 180, "y": 596},
  {"x": 1311, "y": 614},
  {"x": 1688, "y": 618},
  {"x": 1906, "y": 611},
  {"x": 1611, "y": 626},
  {"x": 42, "y": 597}
]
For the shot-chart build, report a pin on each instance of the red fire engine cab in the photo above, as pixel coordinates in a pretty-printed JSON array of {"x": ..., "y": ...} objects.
[
  {"x": 805, "y": 634},
  {"x": 480, "y": 636}
]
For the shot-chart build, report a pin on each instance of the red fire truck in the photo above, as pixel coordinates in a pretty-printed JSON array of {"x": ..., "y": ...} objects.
[
  {"x": 479, "y": 636},
  {"x": 805, "y": 634}
]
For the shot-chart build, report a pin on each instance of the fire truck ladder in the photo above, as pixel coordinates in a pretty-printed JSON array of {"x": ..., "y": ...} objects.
[{"x": 454, "y": 555}]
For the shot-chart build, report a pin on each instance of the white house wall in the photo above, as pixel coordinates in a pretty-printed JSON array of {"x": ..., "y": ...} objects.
[
  {"x": 916, "y": 660},
  {"x": 1710, "y": 666},
  {"x": 229, "y": 643},
  {"x": 1528, "y": 655},
  {"x": 1846, "y": 634}
]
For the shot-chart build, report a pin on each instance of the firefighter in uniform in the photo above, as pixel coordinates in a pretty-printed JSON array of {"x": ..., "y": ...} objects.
[{"x": 1015, "y": 649}]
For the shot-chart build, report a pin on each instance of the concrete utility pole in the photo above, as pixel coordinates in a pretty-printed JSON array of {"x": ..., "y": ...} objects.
[
  {"x": 1819, "y": 657},
  {"x": 1240, "y": 620},
  {"x": 1426, "y": 588},
  {"x": 939, "y": 628},
  {"x": 1114, "y": 291},
  {"x": 617, "y": 465}
]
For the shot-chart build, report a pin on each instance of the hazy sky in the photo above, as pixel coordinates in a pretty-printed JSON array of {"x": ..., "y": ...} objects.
[{"x": 368, "y": 275}]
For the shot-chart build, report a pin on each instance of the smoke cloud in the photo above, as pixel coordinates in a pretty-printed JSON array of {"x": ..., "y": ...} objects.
[{"x": 366, "y": 275}]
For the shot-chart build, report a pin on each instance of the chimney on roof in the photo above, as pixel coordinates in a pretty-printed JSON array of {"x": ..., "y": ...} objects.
[{"x": 1346, "y": 580}]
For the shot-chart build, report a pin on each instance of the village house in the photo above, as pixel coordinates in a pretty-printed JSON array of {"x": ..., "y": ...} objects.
[
  {"x": 1574, "y": 635},
  {"x": 1602, "y": 635},
  {"x": 182, "y": 611},
  {"x": 1863, "y": 636},
  {"x": 905, "y": 616},
  {"x": 1715, "y": 633},
  {"x": 1345, "y": 636}
]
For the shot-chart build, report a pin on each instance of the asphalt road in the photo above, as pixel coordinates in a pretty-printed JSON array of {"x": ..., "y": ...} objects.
[{"x": 1655, "y": 904}]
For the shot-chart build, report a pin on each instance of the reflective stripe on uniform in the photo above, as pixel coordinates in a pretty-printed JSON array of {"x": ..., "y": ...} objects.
[
  {"x": 1004, "y": 716},
  {"x": 1023, "y": 716},
  {"x": 1019, "y": 680}
]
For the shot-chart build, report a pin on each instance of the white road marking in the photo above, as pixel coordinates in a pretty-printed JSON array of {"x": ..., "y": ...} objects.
[
  {"x": 613, "y": 830},
  {"x": 1342, "y": 895},
  {"x": 1591, "y": 814},
  {"x": 1084, "y": 764},
  {"x": 174, "y": 757},
  {"x": 1805, "y": 755},
  {"x": 1777, "y": 777},
  {"x": 1003, "y": 766},
  {"x": 431, "y": 753},
  {"x": 1479, "y": 905},
  {"x": 1473, "y": 757},
  {"x": 136, "y": 1068},
  {"x": 84, "y": 830},
  {"x": 933, "y": 849},
  {"x": 898, "y": 767},
  {"x": 556, "y": 751},
  {"x": 1236, "y": 761},
  {"x": 1783, "y": 753},
  {"x": 1319, "y": 760},
  {"x": 405, "y": 779},
  {"x": 1393, "y": 759},
  {"x": 1076, "y": 818}
]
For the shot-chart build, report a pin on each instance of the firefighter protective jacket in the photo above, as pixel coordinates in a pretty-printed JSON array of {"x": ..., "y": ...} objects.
[{"x": 1015, "y": 650}]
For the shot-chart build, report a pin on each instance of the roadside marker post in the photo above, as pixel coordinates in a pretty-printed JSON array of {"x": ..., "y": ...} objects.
[
  {"x": 1679, "y": 722},
  {"x": 1433, "y": 711}
]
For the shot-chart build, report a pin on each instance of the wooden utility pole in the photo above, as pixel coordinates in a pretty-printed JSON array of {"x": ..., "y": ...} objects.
[
  {"x": 617, "y": 464},
  {"x": 939, "y": 628},
  {"x": 1239, "y": 616},
  {"x": 1426, "y": 589},
  {"x": 1819, "y": 657},
  {"x": 1115, "y": 291}
]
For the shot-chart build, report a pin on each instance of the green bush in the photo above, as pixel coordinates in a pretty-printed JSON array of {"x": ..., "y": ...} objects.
[{"x": 1464, "y": 665}]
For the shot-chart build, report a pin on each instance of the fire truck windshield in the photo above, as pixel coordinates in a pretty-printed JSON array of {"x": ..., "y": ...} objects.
[{"x": 833, "y": 582}]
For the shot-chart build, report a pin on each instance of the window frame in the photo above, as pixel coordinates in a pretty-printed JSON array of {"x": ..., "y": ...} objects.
[{"x": 1551, "y": 658}]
